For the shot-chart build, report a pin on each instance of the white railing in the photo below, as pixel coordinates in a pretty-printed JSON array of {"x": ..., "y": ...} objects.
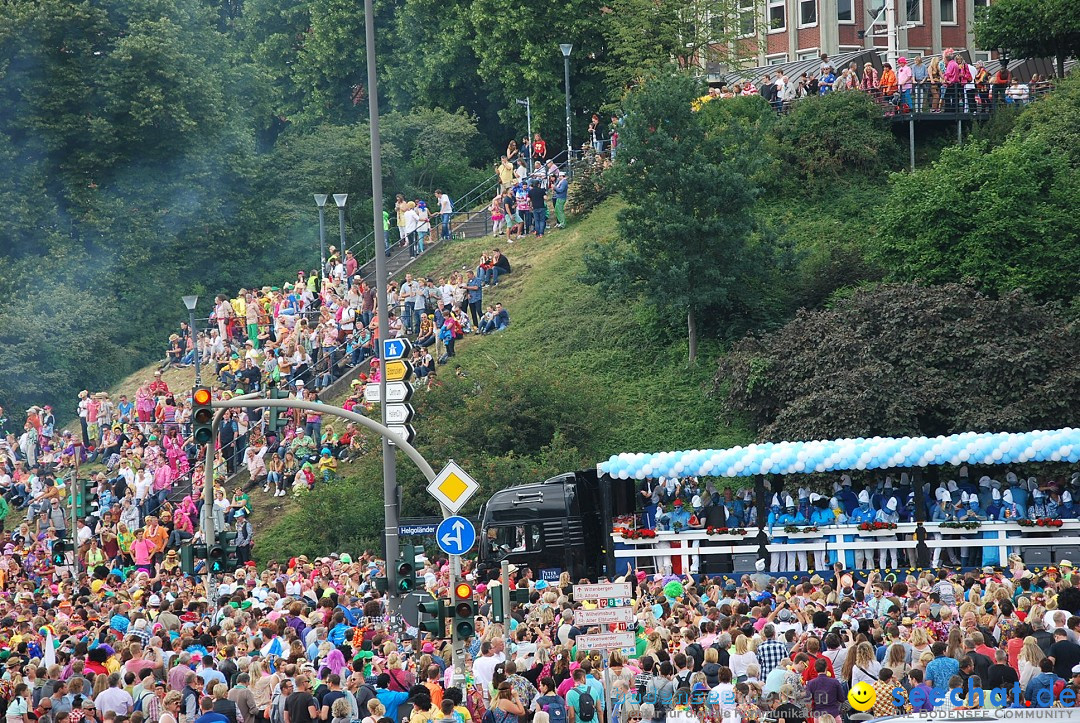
[{"x": 848, "y": 538}]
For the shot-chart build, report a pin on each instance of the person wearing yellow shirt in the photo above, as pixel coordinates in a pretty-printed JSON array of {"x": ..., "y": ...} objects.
[
  {"x": 239, "y": 304},
  {"x": 327, "y": 465}
]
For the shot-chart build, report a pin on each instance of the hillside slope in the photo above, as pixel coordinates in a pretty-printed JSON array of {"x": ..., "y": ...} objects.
[{"x": 575, "y": 378}]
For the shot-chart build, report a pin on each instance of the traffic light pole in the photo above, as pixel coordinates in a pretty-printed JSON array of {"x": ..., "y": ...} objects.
[{"x": 73, "y": 491}]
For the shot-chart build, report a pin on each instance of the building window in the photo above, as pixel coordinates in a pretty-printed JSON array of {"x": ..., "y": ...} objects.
[
  {"x": 845, "y": 12},
  {"x": 747, "y": 18},
  {"x": 777, "y": 15},
  {"x": 914, "y": 11},
  {"x": 716, "y": 26},
  {"x": 809, "y": 54},
  {"x": 807, "y": 12},
  {"x": 948, "y": 12},
  {"x": 776, "y": 59}
]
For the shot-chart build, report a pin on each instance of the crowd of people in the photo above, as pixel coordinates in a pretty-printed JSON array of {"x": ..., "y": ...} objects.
[
  {"x": 130, "y": 638},
  {"x": 520, "y": 205},
  {"x": 934, "y": 84}
]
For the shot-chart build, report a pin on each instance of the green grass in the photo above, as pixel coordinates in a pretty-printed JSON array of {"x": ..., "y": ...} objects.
[{"x": 577, "y": 377}]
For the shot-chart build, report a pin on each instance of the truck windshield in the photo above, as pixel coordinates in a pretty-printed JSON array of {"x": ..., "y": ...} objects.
[{"x": 513, "y": 538}]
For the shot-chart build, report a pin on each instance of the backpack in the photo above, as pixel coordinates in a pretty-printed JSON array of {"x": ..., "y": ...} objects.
[
  {"x": 139, "y": 703},
  {"x": 696, "y": 653},
  {"x": 554, "y": 706},
  {"x": 586, "y": 706},
  {"x": 276, "y": 712}
]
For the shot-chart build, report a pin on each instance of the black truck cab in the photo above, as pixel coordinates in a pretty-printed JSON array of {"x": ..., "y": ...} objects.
[{"x": 561, "y": 524}]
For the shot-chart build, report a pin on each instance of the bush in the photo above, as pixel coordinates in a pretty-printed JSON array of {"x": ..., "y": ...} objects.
[
  {"x": 823, "y": 138},
  {"x": 589, "y": 188}
]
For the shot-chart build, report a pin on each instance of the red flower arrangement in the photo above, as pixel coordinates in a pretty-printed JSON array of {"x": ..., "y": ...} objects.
[
  {"x": 1041, "y": 522},
  {"x": 725, "y": 531},
  {"x": 643, "y": 534},
  {"x": 876, "y": 526}
]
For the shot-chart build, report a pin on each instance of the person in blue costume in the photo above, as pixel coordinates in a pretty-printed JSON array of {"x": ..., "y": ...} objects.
[
  {"x": 888, "y": 514},
  {"x": 792, "y": 516},
  {"x": 942, "y": 511},
  {"x": 804, "y": 503},
  {"x": 1038, "y": 507},
  {"x": 736, "y": 510},
  {"x": 1019, "y": 489},
  {"x": 777, "y": 560},
  {"x": 821, "y": 516},
  {"x": 864, "y": 559},
  {"x": 993, "y": 510},
  {"x": 845, "y": 496},
  {"x": 985, "y": 485},
  {"x": 969, "y": 511},
  {"x": 1067, "y": 509}
]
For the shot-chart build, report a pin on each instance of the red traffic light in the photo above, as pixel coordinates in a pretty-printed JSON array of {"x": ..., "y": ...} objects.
[
  {"x": 463, "y": 590},
  {"x": 201, "y": 396}
]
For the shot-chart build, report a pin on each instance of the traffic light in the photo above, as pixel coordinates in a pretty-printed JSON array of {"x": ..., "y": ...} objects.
[
  {"x": 202, "y": 416},
  {"x": 405, "y": 570},
  {"x": 464, "y": 612},
  {"x": 498, "y": 615},
  {"x": 228, "y": 543},
  {"x": 521, "y": 595},
  {"x": 188, "y": 555},
  {"x": 215, "y": 557},
  {"x": 60, "y": 549},
  {"x": 276, "y": 421},
  {"x": 84, "y": 493},
  {"x": 437, "y": 610}
]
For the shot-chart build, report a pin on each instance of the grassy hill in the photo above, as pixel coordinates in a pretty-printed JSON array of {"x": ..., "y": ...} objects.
[{"x": 577, "y": 377}]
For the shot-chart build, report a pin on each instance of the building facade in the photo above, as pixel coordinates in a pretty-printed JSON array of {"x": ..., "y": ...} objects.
[{"x": 791, "y": 30}]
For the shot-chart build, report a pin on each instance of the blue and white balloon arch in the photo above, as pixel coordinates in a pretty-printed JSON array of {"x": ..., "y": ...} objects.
[{"x": 1060, "y": 445}]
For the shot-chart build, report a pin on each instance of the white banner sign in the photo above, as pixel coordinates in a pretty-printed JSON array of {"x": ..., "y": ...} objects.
[
  {"x": 604, "y": 590},
  {"x": 606, "y": 641},
  {"x": 603, "y": 616}
]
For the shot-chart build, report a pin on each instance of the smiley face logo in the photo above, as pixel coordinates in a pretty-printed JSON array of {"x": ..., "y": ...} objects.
[{"x": 862, "y": 697}]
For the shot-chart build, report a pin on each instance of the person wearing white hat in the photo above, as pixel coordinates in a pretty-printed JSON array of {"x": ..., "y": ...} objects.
[
  {"x": 1038, "y": 507},
  {"x": 888, "y": 513},
  {"x": 942, "y": 511},
  {"x": 864, "y": 559},
  {"x": 792, "y": 516},
  {"x": 821, "y": 515}
]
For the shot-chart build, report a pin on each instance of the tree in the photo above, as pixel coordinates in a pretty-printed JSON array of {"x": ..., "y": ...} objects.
[
  {"x": 691, "y": 34},
  {"x": 904, "y": 359},
  {"x": 993, "y": 219},
  {"x": 687, "y": 235},
  {"x": 1031, "y": 29}
]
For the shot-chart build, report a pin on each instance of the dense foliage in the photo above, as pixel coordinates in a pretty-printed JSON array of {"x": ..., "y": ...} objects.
[
  {"x": 1031, "y": 29},
  {"x": 994, "y": 217},
  {"x": 687, "y": 237},
  {"x": 903, "y": 359}
]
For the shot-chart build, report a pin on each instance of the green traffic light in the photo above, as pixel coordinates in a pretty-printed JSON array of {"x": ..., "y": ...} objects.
[{"x": 464, "y": 629}]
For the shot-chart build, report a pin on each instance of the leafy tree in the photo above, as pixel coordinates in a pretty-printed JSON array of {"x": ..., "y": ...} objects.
[
  {"x": 1031, "y": 29},
  {"x": 687, "y": 235},
  {"x": 908, "y": 360},
  {"x": 993, "y": 219},
  {"x": 687, "y": 33},
  {"x": 826, "y": 137},
  {"x": 515, "y": 62}
]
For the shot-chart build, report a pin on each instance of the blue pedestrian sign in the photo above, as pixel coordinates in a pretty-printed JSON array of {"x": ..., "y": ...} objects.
[
  {"x": 396, "y": 349},
  {"x": 456, "y": 535}
]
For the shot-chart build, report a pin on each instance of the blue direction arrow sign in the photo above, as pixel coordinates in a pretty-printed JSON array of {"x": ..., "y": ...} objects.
[
  {"x": 456, "y": 535},
  {"x": 396, "y": 349}
]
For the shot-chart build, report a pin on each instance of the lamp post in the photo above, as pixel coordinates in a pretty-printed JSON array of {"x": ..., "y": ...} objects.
[
  {"x": 190, "y": 302},
  {"x": 320, "y": 201},
  {"x": 339, "y": 199},
  {"x": 390, "y": 489},
  {"x": 566, "y": 48},
  {"x": 528, "y": 120}
]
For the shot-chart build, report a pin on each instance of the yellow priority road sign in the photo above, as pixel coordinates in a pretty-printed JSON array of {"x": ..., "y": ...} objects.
[
  {"x": 453, "y": 487},
  {"x": 398, "y": 370}
]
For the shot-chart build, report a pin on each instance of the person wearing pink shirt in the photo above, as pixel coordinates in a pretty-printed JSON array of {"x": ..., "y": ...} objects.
[
  {"x": 904, "y": 78},
  {"x": 952, "y": 82},
  {"x": 142, "y": 551}
]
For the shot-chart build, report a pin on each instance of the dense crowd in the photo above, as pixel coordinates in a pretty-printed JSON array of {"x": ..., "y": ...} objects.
[{"x": 934, "y": 84}]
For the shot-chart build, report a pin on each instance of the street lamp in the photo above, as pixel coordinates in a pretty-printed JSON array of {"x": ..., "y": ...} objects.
[
  {"x": 190, "y": 302},
  {"x": 320, "y": 201},
  {"x": 339, "y": 199},
  {"x": 528, "y": 122},
  {"x": 566, "y": 48}
]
